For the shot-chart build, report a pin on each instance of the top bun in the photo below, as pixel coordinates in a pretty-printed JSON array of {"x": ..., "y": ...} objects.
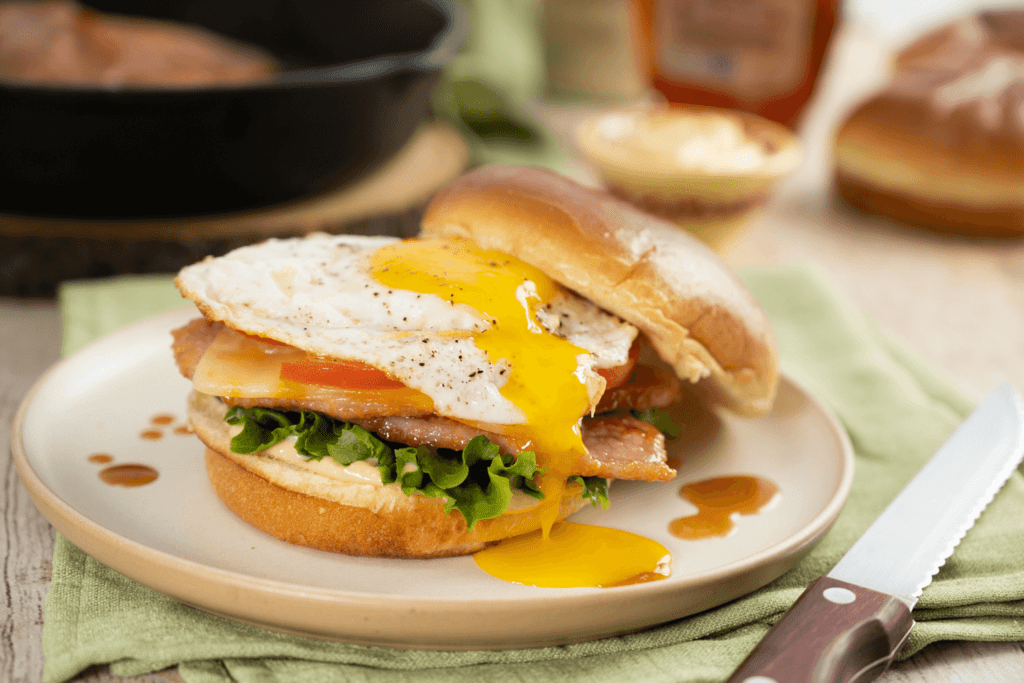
[{"x": 697, "y": 315}]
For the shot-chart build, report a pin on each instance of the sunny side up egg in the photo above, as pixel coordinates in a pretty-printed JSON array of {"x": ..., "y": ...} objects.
[{"x": 488, "y": 339}]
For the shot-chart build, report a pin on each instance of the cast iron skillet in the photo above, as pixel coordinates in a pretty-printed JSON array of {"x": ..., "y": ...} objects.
[{"x": 357, "y": 83}]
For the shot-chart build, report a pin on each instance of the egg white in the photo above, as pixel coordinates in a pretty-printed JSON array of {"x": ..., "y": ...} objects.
[{"x": 318, "y": 294}]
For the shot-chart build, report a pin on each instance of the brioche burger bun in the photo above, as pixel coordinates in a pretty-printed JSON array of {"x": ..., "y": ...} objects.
[{"x": 605, "y": 280}]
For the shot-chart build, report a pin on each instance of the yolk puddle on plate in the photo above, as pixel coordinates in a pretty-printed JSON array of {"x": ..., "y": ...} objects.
[
  {"x": 576, "y": 555},
  {"x": 718, "y": 501},
  {"x": 543, "y": 381}
]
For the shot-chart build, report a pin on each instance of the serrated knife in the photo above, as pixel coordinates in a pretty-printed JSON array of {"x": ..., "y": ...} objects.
[{"x": 849, "y": 624}]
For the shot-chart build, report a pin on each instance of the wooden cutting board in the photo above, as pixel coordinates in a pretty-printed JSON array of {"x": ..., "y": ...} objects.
[{"x": 38, "y": 253}]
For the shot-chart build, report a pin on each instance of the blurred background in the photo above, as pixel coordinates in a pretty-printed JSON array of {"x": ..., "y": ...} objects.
[
  {"x": 139, "y": 137},
  {"x": 902, "y": 20},
  {"x": 877, "y": 142}
]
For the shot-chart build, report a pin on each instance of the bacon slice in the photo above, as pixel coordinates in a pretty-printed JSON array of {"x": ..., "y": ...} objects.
[
  {"x": 647, "y": 387},
  {"x": 434, "y": 431},
  {"x": 620, "y": 446},
  {"x": 191, "y": 342},
  {"x": 339, "y": 408}
]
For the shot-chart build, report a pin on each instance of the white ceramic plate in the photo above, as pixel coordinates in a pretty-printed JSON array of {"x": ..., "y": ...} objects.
[{"x": 175, "y": 536}]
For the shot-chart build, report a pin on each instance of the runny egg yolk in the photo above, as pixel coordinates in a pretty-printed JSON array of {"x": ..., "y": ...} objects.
[
  {"x": 543, "y": 381},
  {"x": 576, "y": 555}
]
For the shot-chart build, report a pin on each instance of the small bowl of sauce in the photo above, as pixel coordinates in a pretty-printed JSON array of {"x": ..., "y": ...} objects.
[{"x": 708, "y": 170}]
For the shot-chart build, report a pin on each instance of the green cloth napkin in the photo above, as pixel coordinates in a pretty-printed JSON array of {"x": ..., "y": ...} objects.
[
  {"x": 896, "y": 410},
  {"x": 90, "y": 309}
]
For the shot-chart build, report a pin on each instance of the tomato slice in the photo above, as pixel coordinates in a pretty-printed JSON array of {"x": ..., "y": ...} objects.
[
  {"x": 345, "y": 374},
  {"x": 619, "y": 375}
]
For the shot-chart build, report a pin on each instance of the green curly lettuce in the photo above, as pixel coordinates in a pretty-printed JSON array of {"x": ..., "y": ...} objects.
[
  {"x": 595, "y": 489},
  {"x": 478, "y": 482}
]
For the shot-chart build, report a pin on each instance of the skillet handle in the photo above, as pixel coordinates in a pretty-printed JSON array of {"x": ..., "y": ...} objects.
[{"x": 836, "y": 632}]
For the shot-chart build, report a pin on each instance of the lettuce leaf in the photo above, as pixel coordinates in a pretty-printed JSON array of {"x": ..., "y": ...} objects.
[
  {"x": 595, "y": 489},
  {"x": 478, "y": 482},
  {"x": 660, "y": 419}
]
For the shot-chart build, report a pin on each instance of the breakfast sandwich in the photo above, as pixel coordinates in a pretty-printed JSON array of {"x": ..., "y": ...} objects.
[{"x": 428, "y": 397}]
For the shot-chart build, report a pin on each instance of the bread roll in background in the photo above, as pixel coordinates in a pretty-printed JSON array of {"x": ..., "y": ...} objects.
[{"x": 942, "y": 145}]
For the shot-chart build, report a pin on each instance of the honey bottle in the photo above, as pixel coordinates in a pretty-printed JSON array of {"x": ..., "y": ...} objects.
[{"x": 761, "y": 56}]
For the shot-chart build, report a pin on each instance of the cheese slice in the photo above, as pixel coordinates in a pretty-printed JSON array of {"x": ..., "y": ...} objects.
[{"x": 236, "y": 365}]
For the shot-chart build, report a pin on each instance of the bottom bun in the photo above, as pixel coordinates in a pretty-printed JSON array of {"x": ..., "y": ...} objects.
[{"x": 376, "y": 520}]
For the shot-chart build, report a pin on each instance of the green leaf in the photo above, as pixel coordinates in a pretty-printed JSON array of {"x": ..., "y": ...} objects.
[
  {"x": 314, "y": 435},
  {"x": 479, "y": 448},
  {"x": 660, "y": 419},
  {"x": 476, "y": 502},
  {"x": 261, "y": 428},
  {"x": 355, "y": 443},
  {"x": 446, "y": 473},
  {"x": 387, "y": 464},
  {"x": 408, "y": 471},
  {"x": 595, "y": 489}
]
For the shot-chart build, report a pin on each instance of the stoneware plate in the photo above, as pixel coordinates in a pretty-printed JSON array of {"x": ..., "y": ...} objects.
[{"x": 175, "y": 536}]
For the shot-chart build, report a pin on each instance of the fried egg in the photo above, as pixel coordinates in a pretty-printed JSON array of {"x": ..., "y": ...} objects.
[{"x": 489, "y": 339}]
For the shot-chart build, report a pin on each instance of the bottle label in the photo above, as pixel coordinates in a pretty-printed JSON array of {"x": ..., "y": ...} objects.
[{"x": 750, "y": 49}]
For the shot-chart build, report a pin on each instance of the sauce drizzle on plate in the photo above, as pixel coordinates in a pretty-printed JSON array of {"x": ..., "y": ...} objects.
[
  {"x": 718, "y": 502},
  {"x": 128, "y": 474}
]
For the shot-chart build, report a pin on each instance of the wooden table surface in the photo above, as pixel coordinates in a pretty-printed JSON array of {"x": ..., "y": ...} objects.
[{"x": 959, "y": 303}]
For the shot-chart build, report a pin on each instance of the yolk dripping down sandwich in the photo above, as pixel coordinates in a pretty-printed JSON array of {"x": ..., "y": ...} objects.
[{"x": 427, "y": 397}]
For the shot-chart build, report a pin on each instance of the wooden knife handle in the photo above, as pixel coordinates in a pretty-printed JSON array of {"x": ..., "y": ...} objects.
[{"x": 836, "y": 632}]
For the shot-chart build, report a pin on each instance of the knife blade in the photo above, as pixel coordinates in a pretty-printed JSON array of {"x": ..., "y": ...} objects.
[{"x": 849, "y": 625}]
